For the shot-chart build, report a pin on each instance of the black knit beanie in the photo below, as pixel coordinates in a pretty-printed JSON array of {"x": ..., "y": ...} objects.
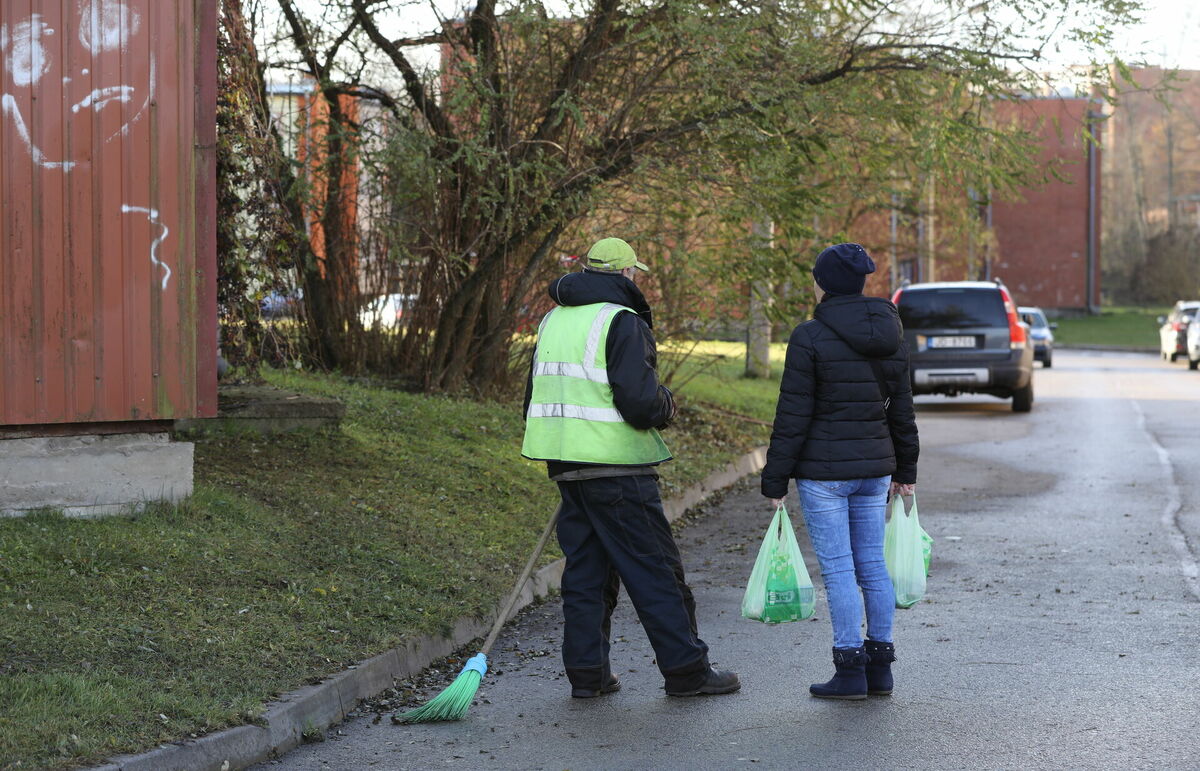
[{"x": 842, "y": 269}]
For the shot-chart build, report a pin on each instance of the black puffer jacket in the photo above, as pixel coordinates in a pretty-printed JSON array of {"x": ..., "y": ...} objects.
[
  {"x": 830, "y": 422},
  {"x": 630, "y": 349}
]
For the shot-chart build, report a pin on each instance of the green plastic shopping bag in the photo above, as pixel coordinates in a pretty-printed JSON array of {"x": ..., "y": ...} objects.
[
  {"x": 906, "y": 550},
  {"x": 779, "y": 589}
]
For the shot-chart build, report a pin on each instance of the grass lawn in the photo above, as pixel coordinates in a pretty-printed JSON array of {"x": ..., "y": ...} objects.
[
  {"x": 296, "y": 556},
  {"x": 1133, "y": 327},
  {"x": 712, "y": 375}
]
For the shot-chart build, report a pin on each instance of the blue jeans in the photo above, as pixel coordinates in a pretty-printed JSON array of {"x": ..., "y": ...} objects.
[{"x": 845, "y": 522}]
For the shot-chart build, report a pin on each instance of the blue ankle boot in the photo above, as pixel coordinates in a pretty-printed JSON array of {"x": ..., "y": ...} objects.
[
  {"x": 850, "y": 680},
  {"x": 879, "y": 668}
]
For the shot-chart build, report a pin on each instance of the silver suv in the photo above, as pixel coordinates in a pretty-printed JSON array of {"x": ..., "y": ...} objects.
[{"x": 966, "y": 337}]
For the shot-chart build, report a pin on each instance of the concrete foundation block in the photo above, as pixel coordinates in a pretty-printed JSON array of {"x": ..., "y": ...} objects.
[{"x": 92, "y": 475}]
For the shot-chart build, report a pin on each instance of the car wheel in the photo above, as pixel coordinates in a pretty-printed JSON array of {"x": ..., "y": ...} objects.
[
  {"x": 1046, "y": 361},
  {"x": 1022, "y": 399},
  {"x": 1193, "y": 363},
  {"x": 1173, "y": 357}
]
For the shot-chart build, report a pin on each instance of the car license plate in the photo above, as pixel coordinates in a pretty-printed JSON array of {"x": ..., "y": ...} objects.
[{"x": 962, "y": 341}]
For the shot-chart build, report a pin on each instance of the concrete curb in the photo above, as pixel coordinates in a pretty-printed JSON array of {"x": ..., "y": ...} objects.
[
  {"x": 1108, "y": 348},
  {"x": 316, "y": 707}
]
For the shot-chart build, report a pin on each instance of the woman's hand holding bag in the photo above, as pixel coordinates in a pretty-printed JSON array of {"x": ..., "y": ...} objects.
[{"x": 780, "y": 588}]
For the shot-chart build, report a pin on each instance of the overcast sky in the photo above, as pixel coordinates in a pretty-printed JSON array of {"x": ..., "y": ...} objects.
[{"x": 1170, "y": 34}]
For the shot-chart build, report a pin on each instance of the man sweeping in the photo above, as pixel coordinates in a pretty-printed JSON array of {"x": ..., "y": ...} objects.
[{"x": 593, "y": 409}]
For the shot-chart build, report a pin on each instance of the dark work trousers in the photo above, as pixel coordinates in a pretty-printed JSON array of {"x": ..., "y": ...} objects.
[{"x": 615, "y": 526}]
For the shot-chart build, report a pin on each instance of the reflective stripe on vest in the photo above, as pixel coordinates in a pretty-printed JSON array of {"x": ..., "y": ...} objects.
[
  {"x": 564, "y": 369},
  {"x": 571, "y": 414},
  {"x": 601, "y": 414}
]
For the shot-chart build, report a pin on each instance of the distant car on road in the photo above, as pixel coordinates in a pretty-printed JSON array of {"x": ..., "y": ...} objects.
[
  {"x": 1041, "y": 332},
  {"x": 386, "y": 310},
  {"x": 278, "y": 304},
  {"x": 966, "y": 337},
  {"x": 1172, "y": 335},
  {"x": 1193, "y": 343}
]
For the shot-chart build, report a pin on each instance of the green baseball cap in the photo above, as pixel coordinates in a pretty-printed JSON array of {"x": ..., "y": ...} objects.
[{"x": 613, "y": 254}]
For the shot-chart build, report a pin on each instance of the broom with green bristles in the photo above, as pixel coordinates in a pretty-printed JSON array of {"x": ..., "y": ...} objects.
[{"x": 455, "y": 700}]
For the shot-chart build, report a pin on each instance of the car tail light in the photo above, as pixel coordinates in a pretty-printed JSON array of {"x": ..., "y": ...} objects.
[
  {"x": 896, "y": 297},
  {"x": 1016, "y": 332},
  {"x": 1178, "y": 326}
]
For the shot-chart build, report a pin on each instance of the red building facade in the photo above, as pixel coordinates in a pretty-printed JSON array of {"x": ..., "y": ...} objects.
[
  {"x": 1048, "y": 240},
  {"x": 1043, "y": 241}
]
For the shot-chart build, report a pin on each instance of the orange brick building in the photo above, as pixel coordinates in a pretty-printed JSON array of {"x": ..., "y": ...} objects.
[{"x": 1043, "y": 242}]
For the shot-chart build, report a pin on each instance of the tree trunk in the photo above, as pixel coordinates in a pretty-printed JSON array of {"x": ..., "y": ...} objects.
[
  {"x": 330, "y": 269},
  {"x": 758, "y": 331}
]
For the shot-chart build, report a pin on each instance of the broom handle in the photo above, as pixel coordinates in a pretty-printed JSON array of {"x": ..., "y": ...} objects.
[{"x": 516, "y": 592}]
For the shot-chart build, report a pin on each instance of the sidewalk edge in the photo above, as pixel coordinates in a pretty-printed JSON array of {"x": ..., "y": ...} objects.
[
  {"x": 1105, "y": 348},
  {"x": 317, "y": 707}
]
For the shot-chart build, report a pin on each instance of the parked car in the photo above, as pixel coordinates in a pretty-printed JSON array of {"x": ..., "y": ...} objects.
[
  {"x": 386, "y": 310},
  {"x": 1193, "y": 343},
  {"x": 278, "y": 304},
  {"x": 1172, "y": 335},
  {"x": 966, "y": 337},
  {"x": 1041, "y": 332}
]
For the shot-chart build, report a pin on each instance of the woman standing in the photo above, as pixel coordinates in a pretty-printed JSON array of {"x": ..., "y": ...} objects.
[{"x": 845, "y": 430}]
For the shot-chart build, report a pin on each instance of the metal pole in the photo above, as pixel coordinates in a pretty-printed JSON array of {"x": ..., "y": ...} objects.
[
  {"x": 1093, "y": 179},
  {"x": 931, "y": 229},
  {"x": 893, "y": 224},
  {"x": 987, "y": 254}
]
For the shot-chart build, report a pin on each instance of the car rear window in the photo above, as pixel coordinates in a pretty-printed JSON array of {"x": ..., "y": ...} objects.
[
  {"x": 1035, "y": 319},
  {"x": 952, "y": 308}
]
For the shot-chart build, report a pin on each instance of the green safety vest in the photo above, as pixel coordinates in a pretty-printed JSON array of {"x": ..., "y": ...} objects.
[{"x": 572, "y": 417}]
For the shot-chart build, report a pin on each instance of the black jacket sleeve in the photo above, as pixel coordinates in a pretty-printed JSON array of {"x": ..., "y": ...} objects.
[
  {"x": 902, "y": 419},
  {"x": 797, "y": 391},
  {"x": 632, "y": 357}
]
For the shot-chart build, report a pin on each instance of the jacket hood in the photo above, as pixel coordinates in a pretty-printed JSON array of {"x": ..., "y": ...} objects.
[
  {"x": 587, "y": 287},
  {"x": 869, "y": 325}
]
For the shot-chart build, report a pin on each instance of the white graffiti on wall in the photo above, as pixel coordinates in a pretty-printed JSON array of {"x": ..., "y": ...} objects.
[
  {"x": 109, "y": 25},
  {"x": 106, "y": 28},
  {"x": 152, "y": 216},
  {"x": 9, "y": 109},
  {"x": 27, "y": 61}
]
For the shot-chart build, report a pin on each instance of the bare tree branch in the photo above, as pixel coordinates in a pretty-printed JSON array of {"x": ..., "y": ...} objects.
[
  {"x": 331, "y": 54},
  {"x": 303, "y": 41},
  {"x": 428, "y": 107},
  {"x": 425, "y": 40},
  {"x": 578, "y": 68},
  {"x": 481, "y": 25}
]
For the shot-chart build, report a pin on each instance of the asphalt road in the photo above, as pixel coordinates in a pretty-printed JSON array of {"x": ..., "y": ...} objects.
[{"x": 1059, "y": 630}]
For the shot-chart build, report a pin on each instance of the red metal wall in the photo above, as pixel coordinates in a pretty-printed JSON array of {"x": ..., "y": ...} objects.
[
  {"x": 1042, "y": 238},
  {"x": 107, "y": 268}
]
